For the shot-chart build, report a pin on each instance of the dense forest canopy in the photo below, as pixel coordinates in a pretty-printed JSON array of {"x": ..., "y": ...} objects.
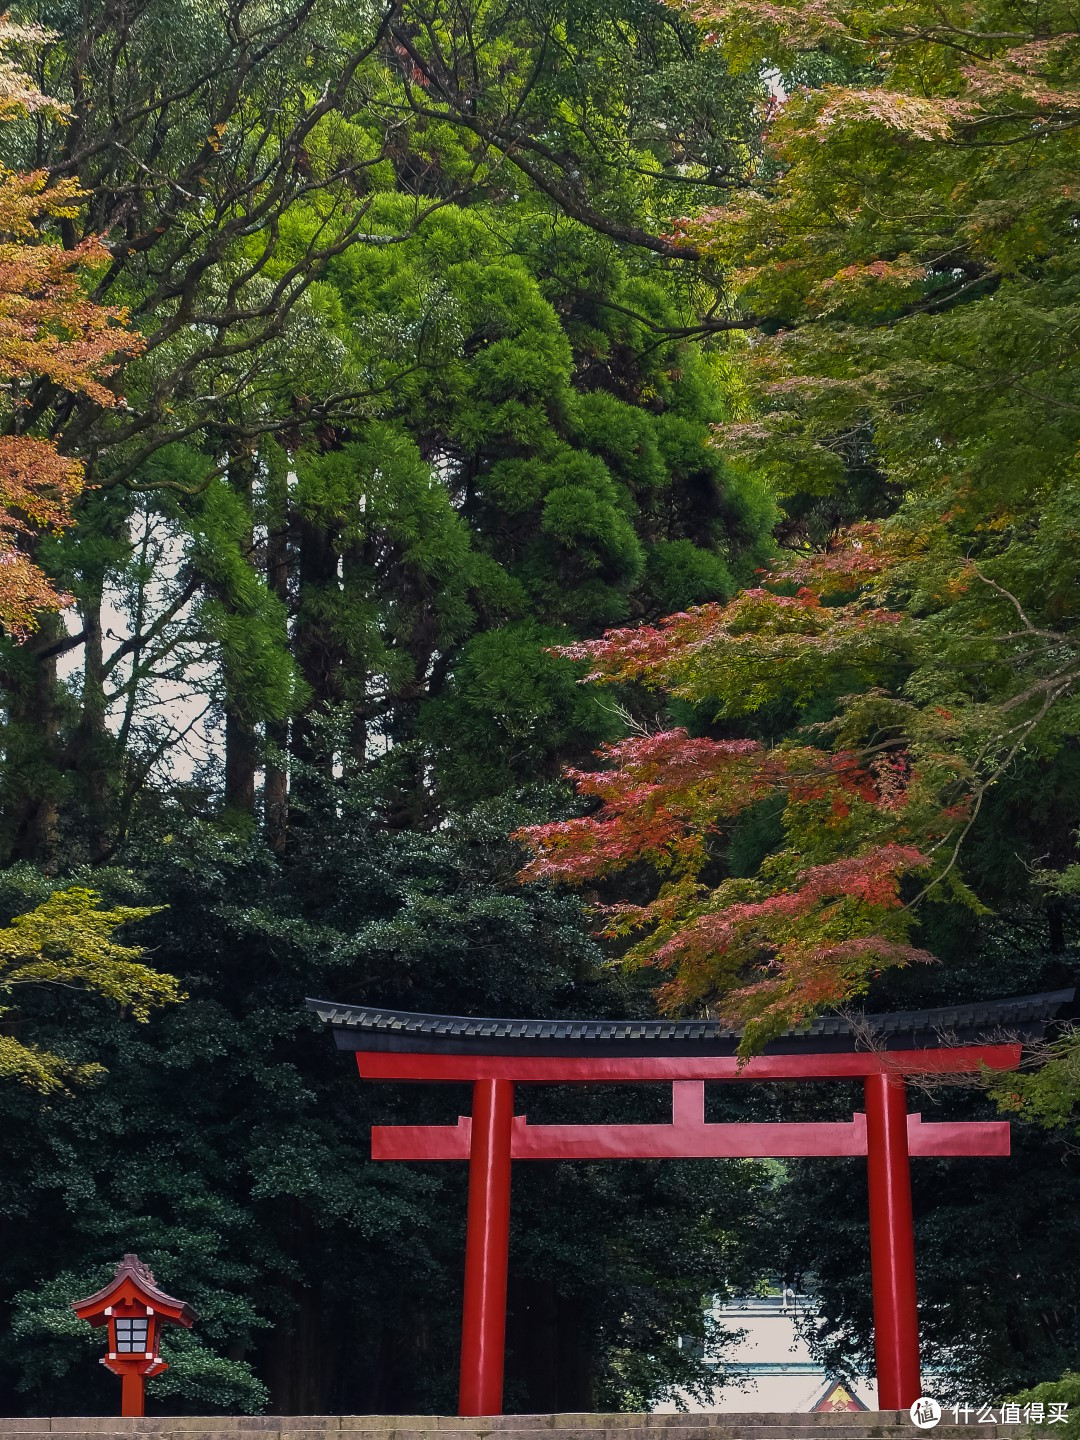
[{"x": 370, "y": 367}]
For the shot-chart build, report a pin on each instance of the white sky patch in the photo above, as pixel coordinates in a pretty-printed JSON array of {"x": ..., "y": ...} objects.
[{"x": 160, "y": 691}]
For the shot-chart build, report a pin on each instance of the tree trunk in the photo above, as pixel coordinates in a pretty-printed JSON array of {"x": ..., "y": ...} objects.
[
  {"x": 33, "y": 779},
  {"x": 276, "y": 783},
  {"x": 241, "y": 759},
  {"x": 317, "y": 649},
  {"x": 356, "y": 565},
  {"x": 276, "y": 787},
  {"x": 241, "y": 744},
  {"x": 91, "y": 748}
]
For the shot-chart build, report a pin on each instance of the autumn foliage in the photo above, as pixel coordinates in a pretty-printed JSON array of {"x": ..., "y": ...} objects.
[
  {"x": 826, "y": 911},
  {"x": 907, "y": 248},
  {"x": 869, "y": 805},
  {"x": 69, "y": 942},
  {"x": 54, "y": 341}
]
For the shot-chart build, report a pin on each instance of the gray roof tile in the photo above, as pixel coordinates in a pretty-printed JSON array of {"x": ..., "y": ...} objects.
[{"x": 358, "y": 1025}]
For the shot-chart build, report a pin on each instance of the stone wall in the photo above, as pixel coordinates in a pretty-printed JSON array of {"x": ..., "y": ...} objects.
[{"x": 867, "y": 1425}]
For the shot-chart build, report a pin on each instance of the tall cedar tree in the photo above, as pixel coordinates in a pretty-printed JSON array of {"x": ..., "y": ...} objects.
[{"x": 325, "y": 300}]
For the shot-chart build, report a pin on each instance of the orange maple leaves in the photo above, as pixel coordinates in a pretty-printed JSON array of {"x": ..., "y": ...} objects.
[
  {"x": 38, "y": 487},
  {"x": 54, "y": 341},
  {"x": 660, "y": 797}
]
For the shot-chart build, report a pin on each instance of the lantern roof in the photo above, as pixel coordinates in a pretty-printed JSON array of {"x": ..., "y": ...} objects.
[
  {"x": 133, "y": 1282},
  {"x": 375, "y": 1027}
]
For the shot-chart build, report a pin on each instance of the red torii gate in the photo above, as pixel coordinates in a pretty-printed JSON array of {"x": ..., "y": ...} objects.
[{"x": 495, "y": 1054}]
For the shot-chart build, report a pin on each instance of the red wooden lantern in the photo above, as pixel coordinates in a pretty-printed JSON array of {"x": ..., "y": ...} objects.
[{"x": 134, "y": 1309}]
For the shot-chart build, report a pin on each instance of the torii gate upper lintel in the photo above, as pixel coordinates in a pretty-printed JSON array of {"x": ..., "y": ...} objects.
[{"x": 495, "y": 1054}]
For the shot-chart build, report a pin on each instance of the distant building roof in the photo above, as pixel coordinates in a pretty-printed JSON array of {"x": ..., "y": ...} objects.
[
  {"x": 374, "y": 1027},
  {"x": 837, "y": 1396}
]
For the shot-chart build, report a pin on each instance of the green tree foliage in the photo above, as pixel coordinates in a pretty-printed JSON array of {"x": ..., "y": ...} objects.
[
  {"x": 550, "y": 466},
  {"x": 1066, "y": 1389},
  {"x": 230, "y": 1142},
  {"x": 69, "y": 941}
]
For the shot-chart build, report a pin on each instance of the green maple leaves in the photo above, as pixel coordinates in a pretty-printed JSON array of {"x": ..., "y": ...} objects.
[{"x": 69, "y": 940}]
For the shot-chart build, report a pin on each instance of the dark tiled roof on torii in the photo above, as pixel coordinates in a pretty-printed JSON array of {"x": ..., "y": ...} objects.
[{"x": 374, "y": 1027}]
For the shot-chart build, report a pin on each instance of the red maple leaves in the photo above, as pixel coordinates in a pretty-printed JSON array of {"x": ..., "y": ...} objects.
[
  {"x": 767, "y": 951},
  {"x": 660, "y": 799},
  {"x": 853, "y": 823}
]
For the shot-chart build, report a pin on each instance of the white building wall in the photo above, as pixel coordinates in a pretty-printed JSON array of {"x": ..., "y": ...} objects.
[{"x": 770, "y": 1367}]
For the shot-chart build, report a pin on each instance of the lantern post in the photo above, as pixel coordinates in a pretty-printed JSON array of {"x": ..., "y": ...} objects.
[{"x": 134, "y": 1309}]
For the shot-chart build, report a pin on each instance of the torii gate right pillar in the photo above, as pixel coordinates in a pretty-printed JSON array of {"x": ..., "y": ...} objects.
[{"x": 892, "y": 1243}]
